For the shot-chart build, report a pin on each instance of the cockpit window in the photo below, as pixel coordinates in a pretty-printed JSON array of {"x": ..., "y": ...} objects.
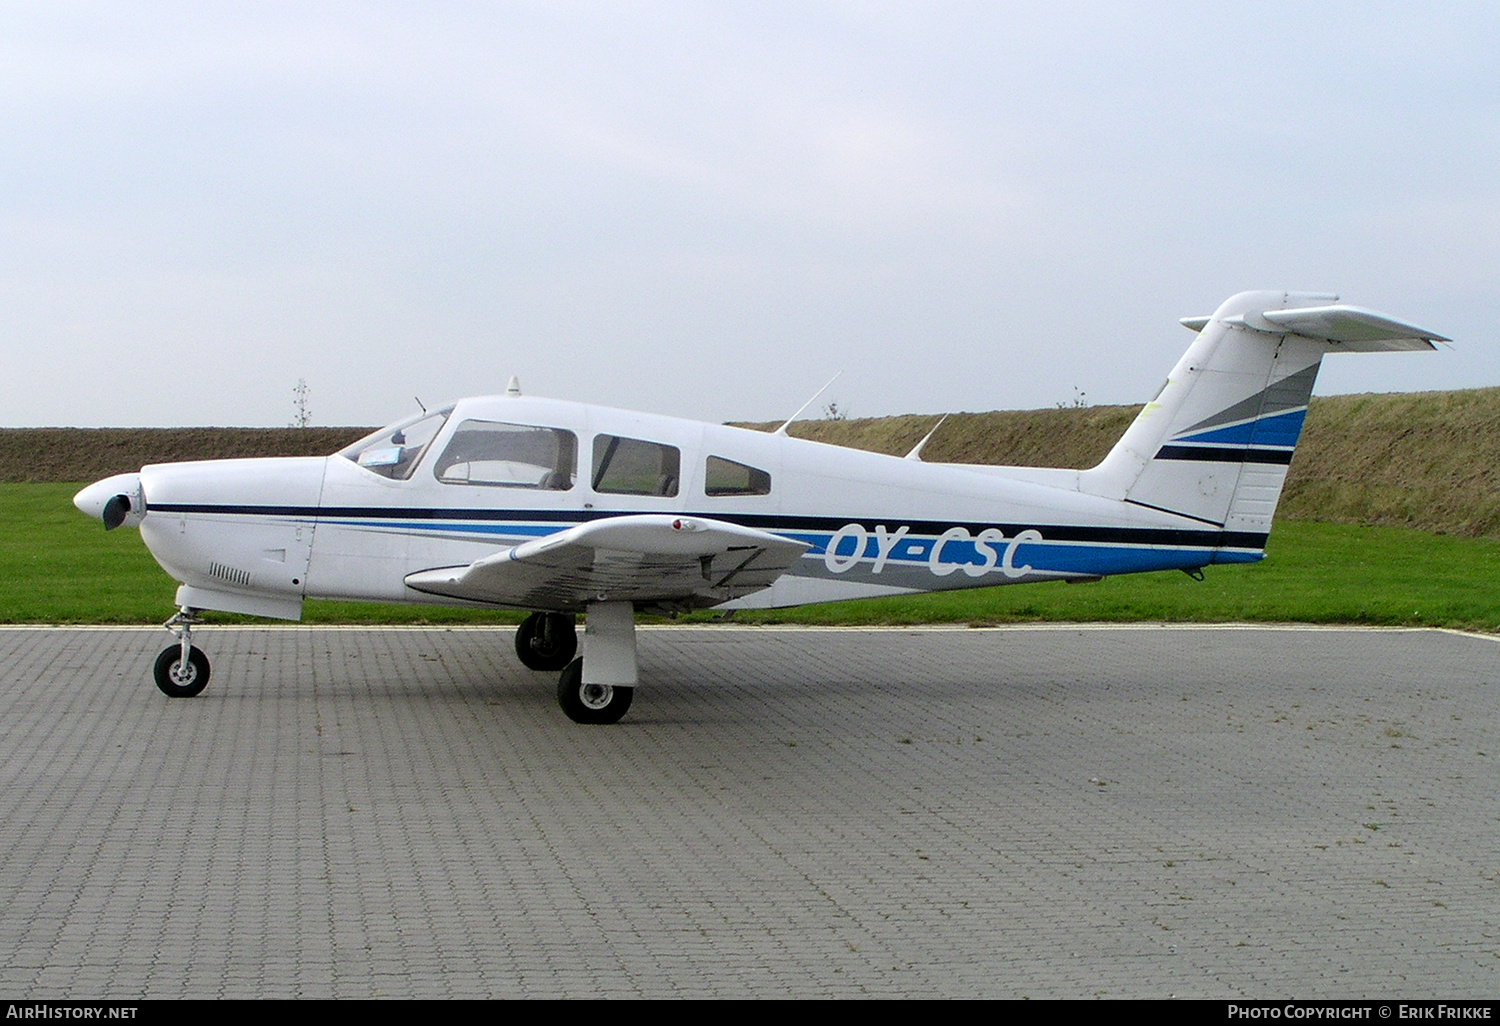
[
  {"x": 394, "y": 451},
  {"x": 630, "y": 466},
  {"x": 726, "y": 477},
  {"x": 483, "y": 452}
]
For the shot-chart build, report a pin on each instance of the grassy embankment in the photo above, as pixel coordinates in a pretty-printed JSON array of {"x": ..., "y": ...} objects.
[
  {"x": 1391, "y": 516},
  {"x": 1427, "y": 460}
]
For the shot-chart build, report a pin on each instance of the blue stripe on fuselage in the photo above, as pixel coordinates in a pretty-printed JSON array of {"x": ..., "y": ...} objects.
[
  {"x": 1045, "y": 557},
  {"x": 1062, "y": 550},
  {"x": 441, "y": 527}
]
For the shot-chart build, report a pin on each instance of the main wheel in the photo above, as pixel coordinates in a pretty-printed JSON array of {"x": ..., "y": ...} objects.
[
  {"x": 177, "y": 680},
  {"x": 590, "y": 703},
  {"x": 546, "y": 641}
]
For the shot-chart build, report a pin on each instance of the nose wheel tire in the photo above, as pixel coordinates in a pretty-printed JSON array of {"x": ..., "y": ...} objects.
[
  {"x": 179, "y": 680},
  {"x": 546, "y": 641},
  {"x": 591, "y": 703}
]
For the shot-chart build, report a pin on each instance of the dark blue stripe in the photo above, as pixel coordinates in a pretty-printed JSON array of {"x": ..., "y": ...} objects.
[
  {"x": 775, "y": 523},
  {"x": 1224, "y": 454}
]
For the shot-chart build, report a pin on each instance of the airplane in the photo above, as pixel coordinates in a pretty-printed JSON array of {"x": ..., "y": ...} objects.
[{"x": 563, "y": 509}]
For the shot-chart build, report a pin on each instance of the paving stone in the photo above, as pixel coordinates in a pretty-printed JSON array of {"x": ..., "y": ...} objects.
[{"x": 1045, "y": 812}]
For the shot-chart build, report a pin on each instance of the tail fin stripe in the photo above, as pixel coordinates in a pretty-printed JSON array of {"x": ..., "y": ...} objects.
[
  {"x": 1290, "y": 393},
  {"x": 1278, "y": 429},
  {"x": 1224, "y": 454}
]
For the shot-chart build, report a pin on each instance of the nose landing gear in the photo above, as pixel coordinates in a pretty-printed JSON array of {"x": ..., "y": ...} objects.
[{"x": 182, "y": 670}]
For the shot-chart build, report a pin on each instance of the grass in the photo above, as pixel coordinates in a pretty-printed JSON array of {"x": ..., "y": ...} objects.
[
  {"x": 58, "y": 566},
  {"x": 1313, "y": 573}
]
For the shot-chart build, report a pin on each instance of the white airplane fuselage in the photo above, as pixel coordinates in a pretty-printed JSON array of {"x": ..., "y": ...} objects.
[{"x": 258, "y": 536}]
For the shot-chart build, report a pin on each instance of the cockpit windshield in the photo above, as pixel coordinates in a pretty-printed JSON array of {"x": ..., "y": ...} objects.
[{"x": 394, "y": 451}]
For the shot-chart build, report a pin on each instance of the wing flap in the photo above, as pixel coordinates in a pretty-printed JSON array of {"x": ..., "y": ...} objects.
[{"x": 646, "y": 558}]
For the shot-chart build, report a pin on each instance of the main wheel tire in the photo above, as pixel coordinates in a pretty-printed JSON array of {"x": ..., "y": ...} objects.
[
  {"x": 591, "y": 703},
  {"x": 546, "y": 641},
  {"x": 176, "y": 680}
]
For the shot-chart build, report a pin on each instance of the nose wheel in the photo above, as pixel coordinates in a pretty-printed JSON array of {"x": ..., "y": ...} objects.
[
  {"x": 182, "y": 670},
  {"x": 179, "y": 678}
]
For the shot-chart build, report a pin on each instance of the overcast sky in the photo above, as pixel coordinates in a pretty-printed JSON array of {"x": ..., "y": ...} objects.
[{"x": 707, "y": 209}]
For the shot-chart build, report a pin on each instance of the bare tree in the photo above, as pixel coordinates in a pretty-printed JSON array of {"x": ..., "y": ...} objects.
[
  {"x": 1080, "y": 400},
  {"x": 301, "y": 413}
]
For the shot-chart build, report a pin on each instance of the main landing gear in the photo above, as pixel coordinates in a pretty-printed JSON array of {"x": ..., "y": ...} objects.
[
  {"x": 182, "y": 670},
  {"x": 591, "y": 703},
  {"x": 597, "y": 688}
]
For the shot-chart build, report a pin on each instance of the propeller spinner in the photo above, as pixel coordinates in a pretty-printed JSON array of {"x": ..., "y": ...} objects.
[{"x": 115, "y": 500}]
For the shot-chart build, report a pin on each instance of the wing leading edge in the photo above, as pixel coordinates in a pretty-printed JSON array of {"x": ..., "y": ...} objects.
[{"x": 648, "y": 559}]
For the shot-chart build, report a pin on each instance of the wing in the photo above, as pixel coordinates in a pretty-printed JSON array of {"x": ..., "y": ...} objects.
[{"x": 649, "y": 559}]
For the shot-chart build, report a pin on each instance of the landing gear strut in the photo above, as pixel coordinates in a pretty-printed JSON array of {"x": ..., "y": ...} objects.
[
  {"x": 598, "y": 688},
  {"x": 182, "y": 670},
  {"x": 546, "y": 641}
]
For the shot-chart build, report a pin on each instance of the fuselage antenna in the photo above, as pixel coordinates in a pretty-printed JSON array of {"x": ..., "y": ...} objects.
[
  {"x": 916, "y": 450},
  {"x": 782, "y": 430},
  {"x": 419, "y": 403}
]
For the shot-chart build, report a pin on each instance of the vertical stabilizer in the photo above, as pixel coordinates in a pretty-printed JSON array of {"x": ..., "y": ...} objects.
[{"x": 1215, "y": 444}]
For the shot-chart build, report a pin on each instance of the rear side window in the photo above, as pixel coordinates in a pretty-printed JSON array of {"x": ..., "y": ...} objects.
[
  {"x": 726, "y": 477},
  {"x": 499, "y": 455},
  {"x": 631, "y": 466}
]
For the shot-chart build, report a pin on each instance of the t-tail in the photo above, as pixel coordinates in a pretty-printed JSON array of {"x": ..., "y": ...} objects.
[{"x": 1215, "y": 444}]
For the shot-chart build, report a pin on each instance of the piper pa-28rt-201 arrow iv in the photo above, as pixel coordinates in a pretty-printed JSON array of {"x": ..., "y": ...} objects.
[{"x": 564, "y": 509}]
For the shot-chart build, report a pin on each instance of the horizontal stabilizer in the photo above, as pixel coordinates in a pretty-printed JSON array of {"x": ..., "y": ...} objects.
[
  {"x": 1352, "y": 328},
  {"x": 646, "y": 559}
]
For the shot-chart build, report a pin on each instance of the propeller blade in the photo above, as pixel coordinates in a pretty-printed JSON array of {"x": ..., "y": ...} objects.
[{"x": 115, "y": 511}]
